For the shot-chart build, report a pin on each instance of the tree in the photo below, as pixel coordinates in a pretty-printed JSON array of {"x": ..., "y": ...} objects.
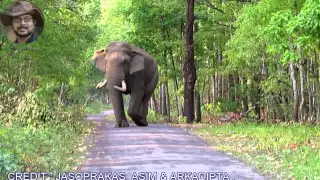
[{"x": 189, "y": 68}]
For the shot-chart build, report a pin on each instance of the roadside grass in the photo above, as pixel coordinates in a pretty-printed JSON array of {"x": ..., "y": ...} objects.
[
  {"x": 96, "y": 107},
  {"x": 280, "y": 151},
  {"x": 49, "y": 148}
]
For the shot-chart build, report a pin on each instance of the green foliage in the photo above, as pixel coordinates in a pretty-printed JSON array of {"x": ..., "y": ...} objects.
[
  {"x": 8, "y": 97},
  {"x": 221, "y": 106},
  {"x": 282, "y": 151},
  {"x": 152, "y": 116},
  {"x": 9, "y": 162},
  {"x": 31, "y": 111},
  {"x": 49, "y": 148},
  {"x": 97, "y": 107},
  {"x": 41, "y": 134},
  {"x": 212, "y": 109},
  {"x": 307, "y": 21}
]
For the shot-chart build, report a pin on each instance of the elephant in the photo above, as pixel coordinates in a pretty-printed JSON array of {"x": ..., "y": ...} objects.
[{"x": 129, "y": 70}]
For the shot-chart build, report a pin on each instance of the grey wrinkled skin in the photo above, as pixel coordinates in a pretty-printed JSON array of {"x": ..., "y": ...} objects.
[{"x": 139, "y": 70}]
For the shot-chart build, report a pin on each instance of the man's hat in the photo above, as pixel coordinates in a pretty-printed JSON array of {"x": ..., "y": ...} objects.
[{"x": 18, "y": 8}]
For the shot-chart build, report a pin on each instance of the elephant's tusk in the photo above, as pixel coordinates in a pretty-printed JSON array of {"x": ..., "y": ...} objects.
[
  {"x": 124, "y": 86},
  {"x": 101, "y": 84}
]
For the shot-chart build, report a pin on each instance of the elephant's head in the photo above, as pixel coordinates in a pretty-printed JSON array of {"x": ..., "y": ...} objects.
[{"x": 118, "y": 60}]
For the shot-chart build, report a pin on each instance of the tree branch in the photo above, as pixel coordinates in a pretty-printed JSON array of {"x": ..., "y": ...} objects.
[
  {"x": 217, "y": 23},
  {"x": 220, "y": 24},
  {"x": 209, "y": 4}
]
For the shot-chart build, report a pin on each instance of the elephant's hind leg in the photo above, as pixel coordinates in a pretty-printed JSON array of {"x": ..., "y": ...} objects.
[
  {"x": 139, "y": 119},
  {"x": 144, "y": 104},
  {"x": 139, "y": 116},
  {"x": 135, "y": 116},
  {"x": 149, "y": 91},
  {"x": 144, "y": 107}
]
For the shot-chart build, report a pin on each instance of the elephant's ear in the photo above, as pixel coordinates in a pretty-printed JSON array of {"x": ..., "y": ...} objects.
[
  {"x": 136, "y": 63},
  {"x": 101, "y": 64},
  {"x": 99, "y": 59}
]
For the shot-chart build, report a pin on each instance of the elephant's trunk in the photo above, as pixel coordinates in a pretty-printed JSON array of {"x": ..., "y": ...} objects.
[
  {"x": 101, "y": 84},
  {"x": 124, "y": 86}
]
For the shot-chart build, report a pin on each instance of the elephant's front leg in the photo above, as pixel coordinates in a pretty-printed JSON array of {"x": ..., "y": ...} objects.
[{"x": 117, "y": 102}]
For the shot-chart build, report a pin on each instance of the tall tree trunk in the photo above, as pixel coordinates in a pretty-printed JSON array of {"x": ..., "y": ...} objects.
[
  {"x": 283, "y": 114},
  {"x": 315, "y": 85},
  {"x": 293, "y": 74},
  {"x": 168, "y": 101},
  {"x": 160, "y": 99},
  {"x": 295, "y": 108},
  {"x": 164, "y": 100},
  {"x": 245, "y": 103},
  {"x": 176, "y": 85},
  {"x": 165, "y": 84},
  {"x": 214, "y": 88},
  {"x": 189, "y": 69},
  {"x": 155, "y": 103},
  {"x": 256, "y": 104},
  {"x": 209, "y": 97},
  {"x": 303, "y": 107},
  {"x": 220, "y": 78},
  {"x": 230, "y": 85},
  {"x": 150, "y": 104},
  {"x": 175, "y": 79},
  {"x": 236, "y": 83},
  {"x": 222, "y": 86},
  {"x": 60, "y": 100},
  {"x": 198, "y": 106},
  {"x": 310, "y": 90}
]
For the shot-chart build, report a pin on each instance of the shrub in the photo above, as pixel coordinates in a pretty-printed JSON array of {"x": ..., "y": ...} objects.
[{"x": 222, "y": 105}]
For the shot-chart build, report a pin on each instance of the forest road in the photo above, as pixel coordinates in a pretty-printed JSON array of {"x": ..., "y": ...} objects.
[{"x": 158, "y": 152}]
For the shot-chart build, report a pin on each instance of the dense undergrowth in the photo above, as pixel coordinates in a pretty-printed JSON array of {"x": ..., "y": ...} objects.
[
  {"x": 40, "y": 138},
  {"x": 282, "y": 151}
]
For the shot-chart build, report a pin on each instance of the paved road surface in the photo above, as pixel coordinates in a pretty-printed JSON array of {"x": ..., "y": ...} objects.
[{"x": 160, "y": 149}]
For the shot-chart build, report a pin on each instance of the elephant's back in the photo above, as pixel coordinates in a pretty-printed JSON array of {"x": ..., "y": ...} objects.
[
  {"x": 117, "y": 44},
  {"x": 142, "y": 52}
]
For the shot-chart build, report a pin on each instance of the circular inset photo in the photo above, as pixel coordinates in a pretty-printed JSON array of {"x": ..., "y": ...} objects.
[{"x": 22, "y": 22}]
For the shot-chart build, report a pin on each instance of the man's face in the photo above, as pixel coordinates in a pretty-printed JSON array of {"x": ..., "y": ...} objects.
[{"x": 23, "y": 25}]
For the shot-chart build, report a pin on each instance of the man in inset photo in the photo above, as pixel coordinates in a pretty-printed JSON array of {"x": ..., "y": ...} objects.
[{"x": 22, "y": 22}]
